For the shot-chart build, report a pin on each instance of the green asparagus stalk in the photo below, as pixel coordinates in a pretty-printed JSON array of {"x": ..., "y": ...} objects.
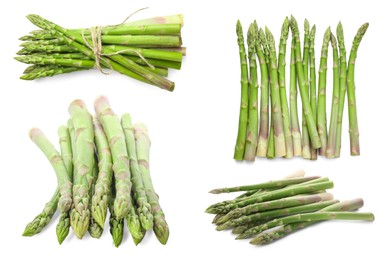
[
  {"x": 63, "y": 226},
  {"x": 279, "y": 138},
  {"x": 313, "y": 217},
  {"x": 282, "y": 88},
  {"x": 306, "y": 154},
  {"x": 142, "y": 141},
  {"x": 63, "y": 179},
  {"x": 321, "y": 110},
  {"x": 295, "y": 131},
  {"x": 352, "y": 114},
  {"x": 266, "y": 185},
  {"x": 226, "y": 206},
  {"x": 83, "y": 158},
  {"x": 116, "y": 224},
  {"x": 116, "y": 139},
  {"x": 275, "y": 204},
  {"x": 242, "y": 228},
  {"x": 244, "y": 110},
  {"x": 271, "y": 214},
  {"x": 94, "y": 229},
  {"x": 100, "y": 199},
  {"x": 253, "y": 114},
  {"x": 144, "y": 208},
  {"x": 262, "y": 145},
  {"x": 303, "y": 87},
  {"x": 343, "y": 86},
  {"x": 134, "y": 224},
  {"x": 50, "y": 73},
  {"x": 34, "y": 48},
  {"x": 331, "y": 147},
  {"x": 268, "y": 237},
  {"x": 313, "y": 82}
]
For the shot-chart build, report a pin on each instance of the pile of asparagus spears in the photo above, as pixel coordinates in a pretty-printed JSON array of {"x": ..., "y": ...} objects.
[
  {"x": 143, "y": 50},
  {"x": 103, "y": 165},
  {"x": 283, "y": 136},
  {"x": 269, "y": 211}
]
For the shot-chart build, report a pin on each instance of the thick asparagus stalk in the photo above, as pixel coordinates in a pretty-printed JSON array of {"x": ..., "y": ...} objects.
[
  {"x": 63, "y": 179},
  {"x": 63, "y": 226},
  {"x": 266, "y": 185},
  {"x": 295, "y": 131},
  {"x": 303, "y": 88},
  {"x": 268, "y": 237},
  {"x": 100, "y": 199},
  {"x": 313, "y": 83},
  {"x": 116, "y": 139},
  {"x": 306, "y": 153},
  {"x": 279, "y": 138},
  {"x": 352, "y": 114},
  {"x": 142, "y": 141},
  {"x": 262, "y": 145},
  {"x": 343, "y": 86},
  {"x": 282, "y": 88},
  {"x": 331, "y": 147},
  {"x": 84, "y": 160},
  {"x": 253, "y": 113},
  {"x": 244, "y": 110},
  {"x": 144, "y": 208}
]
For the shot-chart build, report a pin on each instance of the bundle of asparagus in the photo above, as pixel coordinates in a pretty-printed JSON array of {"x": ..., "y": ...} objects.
[
  {"x": 279, "y": 135},
  {"x": 269, "y": 211},
  {"x": 103, "y": 165},
  {"x": 143, "y": 50}
]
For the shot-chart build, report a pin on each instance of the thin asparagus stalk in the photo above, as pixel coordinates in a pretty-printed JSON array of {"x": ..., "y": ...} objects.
[
  {"x": 313, "y": 217},
  {"x": 262, "y": 145},
  {"x": 242, "y": 228},
  {"x": 268, "y": 237},
  {"x": 321, "y": 110},
  {"x": 279, "y": 138},
  {"x": 352, "y": 112},
  {"x": 313, "y": 82},
  {"x": 306, "y": 153},
  {"x": 271, "y": 214},
  {"x": 134, "y": 224},
  {"x": 295, "y": 131},
  {"x": 33, "y": 48},
  {"x": 331, "y": 147},
  {"x": 244, "y": 110},
  {"x": 50, "y": 73},
  {"x": 94, "y": 229},
  {"x": 343, "y": 86},
  {"x": 271, "y": 142},
  {"x": 266, "y": 185},
  {"x": 303, "y": 88},
  {"x": 282, "y": 88},
  {"x": 116, "y": 224},
  {"x": 253, "y": 113}
]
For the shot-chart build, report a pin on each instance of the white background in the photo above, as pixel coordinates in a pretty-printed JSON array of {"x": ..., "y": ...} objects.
[{"x": 193, "y": 130}]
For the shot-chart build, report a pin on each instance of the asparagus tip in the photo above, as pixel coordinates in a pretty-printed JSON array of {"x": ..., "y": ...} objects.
[{"x": 215, "y": 191}]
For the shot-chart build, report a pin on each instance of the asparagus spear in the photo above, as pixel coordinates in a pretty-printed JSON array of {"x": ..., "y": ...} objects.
[
  {"x": 134, "y": 224},
  {"x": 34, "y": 48},
  {"x": 62, "y": 229},
  {"x": 268, "y": 237},
  {"x": 271, "y": 214},
  {"x": 306, "y": 153},
  {"x": 142, "y": 141},
  {"x": 83, "y": 157},
  {"x": 242, "y": 126},
  {"x": 303, "y": 87},
  {"x": 116, "y": 139},
  {"x": 63, "y": 179},
  {"x": 144, "y": 208},
  {"x": 314, "y": 217},
  {"x": 313, "y": 82},
  {"x": 116, "y": 224},
  {"x": 50, "y": 72},
  {"x": 282, "y": 86},
  {"x": 343, "y": 86},
  {"x": 94, "y": 229},
  {"x": 275, "y": 204},
  {"x": 253, "y": 114},
  {"x": 352, "y": 114},
  {"x": 295, "y": 131},
  {"x": 331, "y": 147},
  {"x": 266, "y": 185},
  {"x": 262, "y": 145},
  {"x": 321, "y": 110},
  {"x": 279, "y": 138},
  {"x": 100, "y": 199},
  {"x": 226, "y": 206}
]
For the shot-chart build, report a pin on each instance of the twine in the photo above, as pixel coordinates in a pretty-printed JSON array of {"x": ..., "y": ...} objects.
[{"x": 97, "y": 46}]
